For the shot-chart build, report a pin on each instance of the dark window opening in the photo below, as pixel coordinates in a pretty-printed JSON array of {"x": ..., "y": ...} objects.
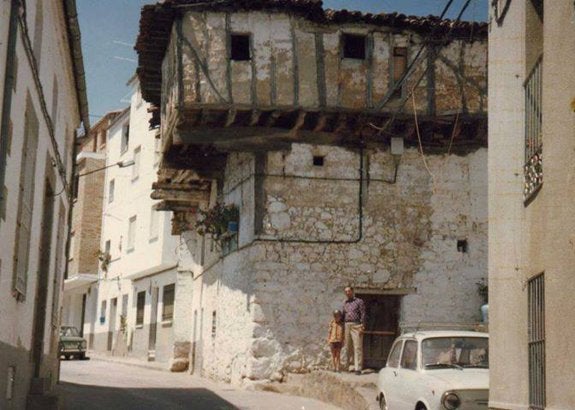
[
  {"x": 140, "y": 305},
  {"x": 318, "y": 161},
  {"x": 462, "y": 246},
  {"x": 168, "y": 302},
  {"x": 354, "y": 46},
  {"x": 538, "y": 6},
  {"x": 240, "y": 47},
  {"x": 214, "y": 323},
  {"x": 76, "y": 186},
  {"x": 399, "y": 67}
]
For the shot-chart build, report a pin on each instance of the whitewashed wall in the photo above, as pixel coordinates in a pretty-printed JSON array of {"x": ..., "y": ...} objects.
[
  {"x": 272, "y": 300},
  {"x": 153, "y": 258}
]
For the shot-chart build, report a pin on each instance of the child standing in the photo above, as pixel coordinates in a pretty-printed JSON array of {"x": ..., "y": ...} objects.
[{"x": 335, "y": 338}]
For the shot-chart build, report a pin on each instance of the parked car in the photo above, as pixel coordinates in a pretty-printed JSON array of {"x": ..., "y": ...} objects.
[
  {"x": 71, "y": 343},
  {"x": 437, "y": 369}
]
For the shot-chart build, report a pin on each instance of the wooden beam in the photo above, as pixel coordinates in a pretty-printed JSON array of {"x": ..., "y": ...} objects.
[{"x": 180, "y": 196}]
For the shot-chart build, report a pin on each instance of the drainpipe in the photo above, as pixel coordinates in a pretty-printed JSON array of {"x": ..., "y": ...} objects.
[{"x": 7, "y": 95}]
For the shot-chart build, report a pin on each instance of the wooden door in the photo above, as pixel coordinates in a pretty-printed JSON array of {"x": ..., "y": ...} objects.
[{"x": 382, "y": 328}]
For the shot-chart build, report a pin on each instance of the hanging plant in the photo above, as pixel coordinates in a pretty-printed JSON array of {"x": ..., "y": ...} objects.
[
  {"x": 105, "y": 258},
  {"x": 217, "y": 220}
]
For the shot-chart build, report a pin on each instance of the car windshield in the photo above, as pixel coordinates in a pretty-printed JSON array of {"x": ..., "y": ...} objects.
[
  {"x": 69, "y": 331},
  {"x": 455, "y": 352}
]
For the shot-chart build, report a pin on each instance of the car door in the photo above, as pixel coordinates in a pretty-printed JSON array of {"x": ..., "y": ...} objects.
[
  {"x": 408, "y": 376},
  {"x": 389, "y": 383}
]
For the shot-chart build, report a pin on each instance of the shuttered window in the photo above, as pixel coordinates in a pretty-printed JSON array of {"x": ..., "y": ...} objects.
[{"x": 25, "y": 200}]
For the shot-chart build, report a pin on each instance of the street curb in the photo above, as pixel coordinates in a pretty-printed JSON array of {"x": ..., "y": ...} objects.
[{"x": 129, "y": 361}]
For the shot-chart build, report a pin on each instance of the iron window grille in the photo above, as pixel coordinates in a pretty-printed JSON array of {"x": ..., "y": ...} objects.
[
  {"x": 536, "y": 317},
  {"x": 533, "y": 169}
]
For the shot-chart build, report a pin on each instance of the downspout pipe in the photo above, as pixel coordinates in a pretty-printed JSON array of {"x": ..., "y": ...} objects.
[
  {"x": 75, "y": 43},
  {"x": 9, "y": 77}
]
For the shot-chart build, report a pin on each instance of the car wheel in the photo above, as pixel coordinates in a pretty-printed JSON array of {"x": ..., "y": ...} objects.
[
  {"x": 382, "y": 403},
  {"x": 82, "y": 356},
  {"x": 67, "y": 356}
]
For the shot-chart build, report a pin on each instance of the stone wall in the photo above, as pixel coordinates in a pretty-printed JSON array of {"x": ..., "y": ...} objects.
[{"x": 273, "y": 297}]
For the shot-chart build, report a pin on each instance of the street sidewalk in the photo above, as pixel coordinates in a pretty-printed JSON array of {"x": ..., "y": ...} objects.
[
  {"x": 132, "y": 361},
  {"x": 345, "y": 390}
]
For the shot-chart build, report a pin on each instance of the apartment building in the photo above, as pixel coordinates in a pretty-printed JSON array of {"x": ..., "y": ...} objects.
[
  {"x": 132, "y": 303},
  {"x": 84, "y": 255},
  {"x": 531, "y": 219},
  {"x": 43, "y": 104}
]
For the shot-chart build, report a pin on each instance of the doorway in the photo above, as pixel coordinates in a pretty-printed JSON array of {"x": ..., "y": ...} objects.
[
  {"x": 153, "y": 324},
  {"x": 382, "y": 327},
  {"x": 42, "y": 282},
  {"x": 112, "y": 322}
]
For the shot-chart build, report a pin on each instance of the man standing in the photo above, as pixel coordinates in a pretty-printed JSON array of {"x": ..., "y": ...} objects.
[{"x": 354, "y": 318}]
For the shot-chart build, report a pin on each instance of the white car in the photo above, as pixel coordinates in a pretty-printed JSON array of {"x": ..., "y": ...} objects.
[{"x": 436, "y": 369}]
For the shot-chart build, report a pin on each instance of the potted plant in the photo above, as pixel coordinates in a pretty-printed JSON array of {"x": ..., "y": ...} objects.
[{"x": 220, "y": 221}]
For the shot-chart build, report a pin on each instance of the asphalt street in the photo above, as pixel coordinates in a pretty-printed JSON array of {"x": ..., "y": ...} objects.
[{"x": 96, "y": 384}]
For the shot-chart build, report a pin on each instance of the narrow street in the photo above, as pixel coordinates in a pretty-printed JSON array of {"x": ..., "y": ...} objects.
[{"x": 95, "y": 384}]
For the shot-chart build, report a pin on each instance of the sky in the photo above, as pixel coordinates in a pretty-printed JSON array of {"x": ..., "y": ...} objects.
[{"x": 109, "y": 29}]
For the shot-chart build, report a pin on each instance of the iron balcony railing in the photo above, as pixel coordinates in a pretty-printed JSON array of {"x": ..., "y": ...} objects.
[{"x": 533, "y": 169}]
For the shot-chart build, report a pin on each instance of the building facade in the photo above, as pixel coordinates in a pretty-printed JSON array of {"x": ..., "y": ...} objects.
[
  {"x": 531, "y": 90},
  {"x": 43, "y": 103},
  {"x": 86, "y": 223},
  {"x": 340, "y": 149},
  {"x": 131, "y": 305}
]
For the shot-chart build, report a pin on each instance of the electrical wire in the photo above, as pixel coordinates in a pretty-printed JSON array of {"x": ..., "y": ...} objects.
[{"x": 407, "y": 72}]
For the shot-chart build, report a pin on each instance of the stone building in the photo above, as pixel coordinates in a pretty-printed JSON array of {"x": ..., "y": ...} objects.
[
  {"x": 531, "y": 155},
  {"x": 353, "y": 147},
  {"x": 43, "y": 103},
  {"x": 86, "y": 223},
  {"x": 130, "y": 308}
]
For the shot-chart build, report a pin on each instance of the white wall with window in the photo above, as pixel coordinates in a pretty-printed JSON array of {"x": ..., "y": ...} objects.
[{"x": 137, "y": 235}]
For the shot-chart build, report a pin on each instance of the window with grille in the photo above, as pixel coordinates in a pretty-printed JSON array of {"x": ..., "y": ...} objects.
[
  {"x": 140, "y": 305},
  {"x": 533, "y": 132},
  {"x": 536, "y": 317},
  {"x": 168, "y": 302}
]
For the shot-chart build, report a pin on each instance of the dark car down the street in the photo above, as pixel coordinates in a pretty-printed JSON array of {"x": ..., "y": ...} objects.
[{"x": 71, "y": 343}]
